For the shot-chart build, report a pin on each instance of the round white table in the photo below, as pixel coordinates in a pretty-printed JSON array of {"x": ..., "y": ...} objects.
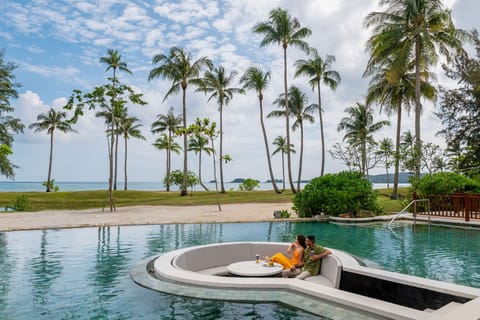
[{"x": 253, "y": 269}]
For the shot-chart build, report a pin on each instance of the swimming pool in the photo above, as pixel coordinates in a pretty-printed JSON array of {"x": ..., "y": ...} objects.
[{"x": 83, "y": 273}]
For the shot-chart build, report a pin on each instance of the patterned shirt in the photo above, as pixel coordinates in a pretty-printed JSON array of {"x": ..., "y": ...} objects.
[{"x": 312, "y": 266}]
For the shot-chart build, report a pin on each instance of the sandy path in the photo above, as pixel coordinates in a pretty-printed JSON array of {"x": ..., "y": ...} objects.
[{"x": 140, "y": 215}]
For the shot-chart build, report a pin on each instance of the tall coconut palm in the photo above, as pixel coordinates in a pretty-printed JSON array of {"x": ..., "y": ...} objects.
[
  {"x": 393, "y": 90},
  {"x": 179, "y": 67},
  {"x": 319, "y": 70},
  {"x": 297, "y": 103},
  {"x": 199, "y": 143},
  {"x": 50, "y": 122},
  {"x": 217, "y": 83},
  {"x": 255, "y": 79},
  {"x": 113, "y": 60},
  {"x": 282, "y": 29},
  {"x": 129, "y": 128},
  {"x": 385, "y": 153},
  {"x": 164, "y": 142},
  {"x": 282, "y": 147},
  {"x": 422, "y": 29},
  {"x": 359, "y": 127},
  {"x": 170, "y": 123}
]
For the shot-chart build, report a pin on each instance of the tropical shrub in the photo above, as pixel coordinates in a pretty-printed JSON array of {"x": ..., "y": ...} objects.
[
  {"x": 249, "y": 184},
  {"x": 53, "y": 187},
  {"x": 21, "y": 203},
  {"x": 444, "y": 183},
  {"x": 334, "y": 194},
  {"x": 176, "y": 178}
]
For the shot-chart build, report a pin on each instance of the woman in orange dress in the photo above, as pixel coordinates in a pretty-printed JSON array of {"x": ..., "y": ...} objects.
[{"x": 295, "y": 249}]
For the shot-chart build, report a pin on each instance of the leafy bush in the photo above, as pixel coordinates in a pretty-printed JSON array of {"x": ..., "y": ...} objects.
[
  {"x": 284, "y": 214},
  {"x": 249, "y": 184},
  {"x": 21, "y": 203},
  {"x": 444, "y": 183},
  {"x": 334, "y": 194},
  {"x": 53, "y": 187}
]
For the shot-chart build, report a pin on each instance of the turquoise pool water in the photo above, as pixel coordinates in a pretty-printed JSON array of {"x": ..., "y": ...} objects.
[{"x": 83, "y": 273}]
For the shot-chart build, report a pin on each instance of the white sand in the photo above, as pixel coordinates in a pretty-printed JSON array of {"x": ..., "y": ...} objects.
[{"x": 140, "y": 215}]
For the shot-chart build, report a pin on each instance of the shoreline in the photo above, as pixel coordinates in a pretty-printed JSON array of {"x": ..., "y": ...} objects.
[{"x": 141, "y": 215}]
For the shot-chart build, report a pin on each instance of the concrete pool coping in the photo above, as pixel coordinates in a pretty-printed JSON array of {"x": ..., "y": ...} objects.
[{"x": 311, "y": 297}]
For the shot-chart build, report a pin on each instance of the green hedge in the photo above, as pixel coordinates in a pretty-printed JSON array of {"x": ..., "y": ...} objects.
[
  {"x": 444, "y": 183},
  {"x": 334, "y": 194}
]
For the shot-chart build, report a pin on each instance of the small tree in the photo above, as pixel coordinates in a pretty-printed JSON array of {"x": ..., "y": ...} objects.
[
  {"x": 177, "y": 178},
  {"x": 249, "y": 184}
]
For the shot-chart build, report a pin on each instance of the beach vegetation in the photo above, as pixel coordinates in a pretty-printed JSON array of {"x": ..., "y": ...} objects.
[
  {"x": 422, "y": 30},
  {"x": 199, "y": 143},
  {"x": 319, "y": 70},
  {"x": 346, "y": 192},
  {"x": 300, "y": 111},
  {"x": 249, "y": 184},
  {"x": 50, "y": 185},
  {"x": 258, "y": 80},
  {"x": 179, "y": 67},
  {"x": 9, "y": 125},
  {"x": 51, "y": 121},
  {"x": 284, "y": 30},
  {"x": 280, "y": 144},
  {"x": 444, "y": 183},
  {"x": 21, "y": 203},
  {"x": 177, "y": 178},
  {"x": 171, "y": 123},
  {"x": 217, "y": 83},
  {"x": 129, "y": 127}
]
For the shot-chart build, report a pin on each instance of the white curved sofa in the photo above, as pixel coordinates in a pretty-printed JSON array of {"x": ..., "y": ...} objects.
[
  {"x": 214, "y": 259},
  {"x": 202, "y": 266}
]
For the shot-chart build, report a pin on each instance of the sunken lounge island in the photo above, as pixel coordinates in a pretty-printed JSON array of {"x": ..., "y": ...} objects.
[{"x": 345, "y": 289}]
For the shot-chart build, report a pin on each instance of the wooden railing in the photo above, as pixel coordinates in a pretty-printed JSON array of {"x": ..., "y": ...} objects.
[{"x": 458, "y": 205}]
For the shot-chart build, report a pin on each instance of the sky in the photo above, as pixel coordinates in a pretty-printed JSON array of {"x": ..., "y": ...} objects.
[{"x": 57, "y": 46}]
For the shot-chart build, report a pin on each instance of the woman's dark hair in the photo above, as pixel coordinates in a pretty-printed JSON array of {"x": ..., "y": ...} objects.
[
  {"x": 311, "y": 238},
  {"x": 301, "y": 240}
]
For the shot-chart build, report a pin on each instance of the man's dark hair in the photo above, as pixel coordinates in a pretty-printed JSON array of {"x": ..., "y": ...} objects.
[{"x": 311, "y": 238}]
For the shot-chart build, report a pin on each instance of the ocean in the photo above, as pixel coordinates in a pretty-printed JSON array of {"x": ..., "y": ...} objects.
[{"x": 29, "y": 186}]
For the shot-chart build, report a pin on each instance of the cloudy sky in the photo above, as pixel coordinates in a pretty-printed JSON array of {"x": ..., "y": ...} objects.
[{"x": 57, "y": 46}]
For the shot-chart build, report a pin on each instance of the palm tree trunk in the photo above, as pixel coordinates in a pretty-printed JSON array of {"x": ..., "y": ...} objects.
[
  {"x": 110, "y": 178},
  {"x": 183, "y": 188},
  {"x": 50, "y": 162},
  {"x": 301, "y": 158},
  {"x": 397, "y": 154},
  {"x": 200, "y": 171},
  {"x": 116, "y": 158},
  {"x": 283, "y": 169},
  {"x": 168, "y": 155},
  {"x": 222, "y": 186},
  {"x": 125, "y": 166},
  {"x": 215, "y": 175},
  {"x": 418, "y": 107},
  {"x": 272, "y": 178},
  {"x": 320, "y": 116},
  {"x": 287, "y": 120}
]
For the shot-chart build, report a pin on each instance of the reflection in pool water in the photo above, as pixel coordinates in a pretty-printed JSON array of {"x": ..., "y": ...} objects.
[{"x": 83, "y": 273}]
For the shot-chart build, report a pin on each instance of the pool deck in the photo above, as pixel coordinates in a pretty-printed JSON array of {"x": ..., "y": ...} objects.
[{"x": 151, "y": 215}]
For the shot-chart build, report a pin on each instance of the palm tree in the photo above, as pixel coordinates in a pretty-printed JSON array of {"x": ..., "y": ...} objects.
[
  {"x": 297, "y": 103},
  {"x": 217, "y": 84},
  {"x": 394, "y": 90},
  {"x": 359, "y": 127},
  {"x": 284, "y": 30},
  {"x": 422, "y": 29},
  {"x": 255, "y": 79},
  {"x": 197, "y": 144},
  {"x": 319, "y": 70},
  {"x": 385, "y": 151},
  {"x": 50, "y": 122},
  {"x": 164, "y": 142},
  {"x": 129, "y": 129},
  {"x": 169, "y": 123},
  {"x": 281, "y": 144},
  {"x": 179, "y": 67},
  {"x": 113, "y": 60}
]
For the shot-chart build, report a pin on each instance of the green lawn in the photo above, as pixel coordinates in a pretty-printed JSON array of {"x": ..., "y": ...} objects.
[{"x": 77, "y": 200}]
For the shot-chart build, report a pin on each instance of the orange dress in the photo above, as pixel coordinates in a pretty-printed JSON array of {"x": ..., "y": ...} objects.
[{"x": 286, "y": 262}]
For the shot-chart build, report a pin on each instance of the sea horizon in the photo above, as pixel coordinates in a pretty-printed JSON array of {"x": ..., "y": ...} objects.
[{"x": 36, "y": 186}]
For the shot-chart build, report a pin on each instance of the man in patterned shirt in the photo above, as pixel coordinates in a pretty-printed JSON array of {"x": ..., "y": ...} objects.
[{"x": 312, "y": 261}]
